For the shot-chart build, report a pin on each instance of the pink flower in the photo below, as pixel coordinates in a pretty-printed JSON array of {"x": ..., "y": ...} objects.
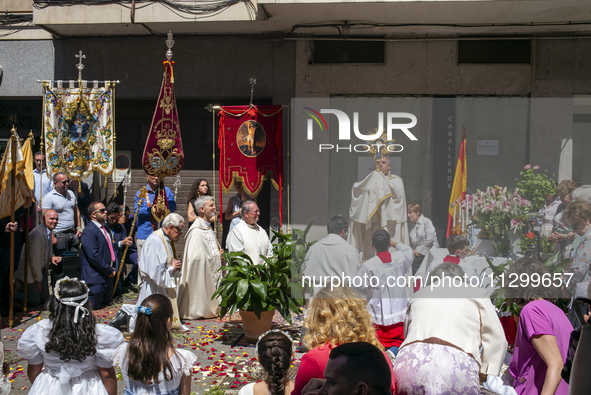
[
  {"x": 527, "y": 167},
  {"x": 536, "y": 167}
]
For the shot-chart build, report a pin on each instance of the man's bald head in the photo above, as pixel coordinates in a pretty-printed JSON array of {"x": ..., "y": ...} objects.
[{"x": 50, "y": 219}]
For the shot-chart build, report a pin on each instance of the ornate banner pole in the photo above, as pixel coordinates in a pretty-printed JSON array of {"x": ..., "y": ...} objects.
[
  {"x": 163, "y": 153},
  {"x": 126, "y": 183},
  {"x": 177, "y": 184}
]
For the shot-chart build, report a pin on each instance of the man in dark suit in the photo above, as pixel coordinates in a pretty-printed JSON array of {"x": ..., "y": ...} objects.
[
  {"x": 119, "y": 235},
  {"x": 40, "y": 257},
  {"x": 98, "y": 257}
]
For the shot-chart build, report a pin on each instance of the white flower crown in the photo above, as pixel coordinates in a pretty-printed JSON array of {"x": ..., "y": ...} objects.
[
  {"x": 293, "y": 346},
  {"x": 58, "y": 284}
]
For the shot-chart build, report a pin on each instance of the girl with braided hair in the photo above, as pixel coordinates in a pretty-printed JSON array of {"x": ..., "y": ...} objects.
[
  {"x": 275, "y": 349},
  {"x": 150, "y": 363},
  {"x": 77, "y": 352}
]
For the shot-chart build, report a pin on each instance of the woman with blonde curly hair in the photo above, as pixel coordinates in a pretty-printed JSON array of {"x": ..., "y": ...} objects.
[{"x": 334, "y": 317}]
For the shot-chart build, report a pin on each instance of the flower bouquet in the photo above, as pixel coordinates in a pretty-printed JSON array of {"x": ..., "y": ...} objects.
[{"x": 499, "y": 214}]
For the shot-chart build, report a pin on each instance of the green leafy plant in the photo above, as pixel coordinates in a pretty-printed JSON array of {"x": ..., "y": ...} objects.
[
  {"x": 530, "y": 242},
  {"x": 299, "y": 250},
  {"x": 535, "y": 186},
  {"x": 214, "y": 390},
  {"x": 266, "y": 286},
  {"x": 499, "y": 299}
]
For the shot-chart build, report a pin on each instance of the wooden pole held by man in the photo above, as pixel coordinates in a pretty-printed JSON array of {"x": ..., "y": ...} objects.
[{"x": 13, "y": 141}]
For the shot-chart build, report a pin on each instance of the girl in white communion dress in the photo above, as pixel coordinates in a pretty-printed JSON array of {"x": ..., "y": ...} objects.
[
  {"x": 150, "y": 363},
  {"x": 77, "y": 352},
  {"x": 275, "y": 350}
]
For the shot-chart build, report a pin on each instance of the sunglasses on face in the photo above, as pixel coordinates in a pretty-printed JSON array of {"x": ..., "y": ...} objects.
[
  {"x": 102, "y": 211},
  {"x": 66, "y": 182}
]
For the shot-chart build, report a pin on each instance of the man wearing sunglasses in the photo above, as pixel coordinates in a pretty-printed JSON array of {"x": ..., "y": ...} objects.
[
  {"x": 98, "y": 257},
  {"x": 63, "y": 202}
]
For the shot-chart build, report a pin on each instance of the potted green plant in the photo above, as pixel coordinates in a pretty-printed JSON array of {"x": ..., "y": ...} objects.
[
  {"x": 535, "y": 186},
  {"x": 258, "y": 290}
]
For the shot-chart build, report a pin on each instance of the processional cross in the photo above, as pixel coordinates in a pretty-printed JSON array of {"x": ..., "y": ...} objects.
[{"x": 80, "y": 66}]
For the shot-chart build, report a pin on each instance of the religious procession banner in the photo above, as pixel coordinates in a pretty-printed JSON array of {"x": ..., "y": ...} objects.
[
  {"x": 24, "y": 168},
  {"x": 251, "y": 148},
  {"x": 163, "y": 153},
  {"x": 79, "y": 129}
]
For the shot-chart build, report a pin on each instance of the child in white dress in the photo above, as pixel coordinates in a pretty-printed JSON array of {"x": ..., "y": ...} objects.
[
  {"x": 275, "y": 350},
  {"x": 77, "y": 352},
  {"x": 150, "y": 363}
]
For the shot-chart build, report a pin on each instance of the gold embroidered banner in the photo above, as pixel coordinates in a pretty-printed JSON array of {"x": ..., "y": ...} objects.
[
  {"x": 163, "y": 153},
  {"x": 78, "y": 128}
]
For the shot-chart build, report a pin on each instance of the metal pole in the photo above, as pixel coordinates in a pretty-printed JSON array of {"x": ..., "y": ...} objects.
[
  {"x": 217, "y": 228},
  {"x": 289, "y": 172},
  {"x": 27, "y": 257},
  {"x": 43, "y": 163}
]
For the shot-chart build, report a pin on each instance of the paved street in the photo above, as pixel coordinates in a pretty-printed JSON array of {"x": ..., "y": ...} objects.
[{"x": 223, "y": 358}]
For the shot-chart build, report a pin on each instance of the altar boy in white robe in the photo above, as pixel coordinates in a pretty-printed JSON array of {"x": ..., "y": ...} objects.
[
  {"x": 201, "y": 264},
  {"x": 157, "y": 266},
  {"x": 386, "y": 299}
]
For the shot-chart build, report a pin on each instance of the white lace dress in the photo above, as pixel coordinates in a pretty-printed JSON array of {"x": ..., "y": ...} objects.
[
  {"x": 182, "y": 363},
  {"x": 73, "y": 377}
]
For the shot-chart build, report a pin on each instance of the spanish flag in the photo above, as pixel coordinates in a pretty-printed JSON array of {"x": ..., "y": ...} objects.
[{"x": 458, "y": 191}]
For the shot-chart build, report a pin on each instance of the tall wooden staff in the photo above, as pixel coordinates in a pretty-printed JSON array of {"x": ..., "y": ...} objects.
[
  {"x": 37, "y": 216},
  {"x": 27, "y": 256},
  {"x": 137, "y": 210},
  {"x": 13, "y": 141}
]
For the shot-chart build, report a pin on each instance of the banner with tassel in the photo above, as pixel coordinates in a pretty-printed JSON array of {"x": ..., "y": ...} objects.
[{"x": 163, "y": 153}]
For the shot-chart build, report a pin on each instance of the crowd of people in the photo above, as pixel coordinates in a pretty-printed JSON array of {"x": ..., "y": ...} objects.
[{"x": 373, "y": 336}]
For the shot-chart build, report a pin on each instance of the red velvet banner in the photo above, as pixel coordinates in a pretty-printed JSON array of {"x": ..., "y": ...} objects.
[
  {"x": 163, "y": 153},
  {"x": 251, "y": 148}
]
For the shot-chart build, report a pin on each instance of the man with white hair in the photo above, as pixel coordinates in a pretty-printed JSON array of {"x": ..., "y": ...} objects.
[
  {"x": 157, "y": 267},
  {"x": 201, "y": 262},
  {"x": 377, "y": 202},
  {"x": 248, "y": 236}
]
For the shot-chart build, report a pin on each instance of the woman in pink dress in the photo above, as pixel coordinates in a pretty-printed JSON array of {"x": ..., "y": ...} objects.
[{"x": 543, "y": 332}]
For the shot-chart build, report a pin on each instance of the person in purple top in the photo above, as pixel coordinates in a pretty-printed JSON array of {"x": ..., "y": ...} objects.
[{"x": 543, "y": 333}]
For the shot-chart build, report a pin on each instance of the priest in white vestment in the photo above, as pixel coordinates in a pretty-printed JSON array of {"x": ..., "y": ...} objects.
[
  {"x": 377, "y": 202},
  {"x": 201, "y": 264},
  {"x": 248, "y": 236},
  {"x": 329, "y": 257},
  {"x": 157, "y": 267}
]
